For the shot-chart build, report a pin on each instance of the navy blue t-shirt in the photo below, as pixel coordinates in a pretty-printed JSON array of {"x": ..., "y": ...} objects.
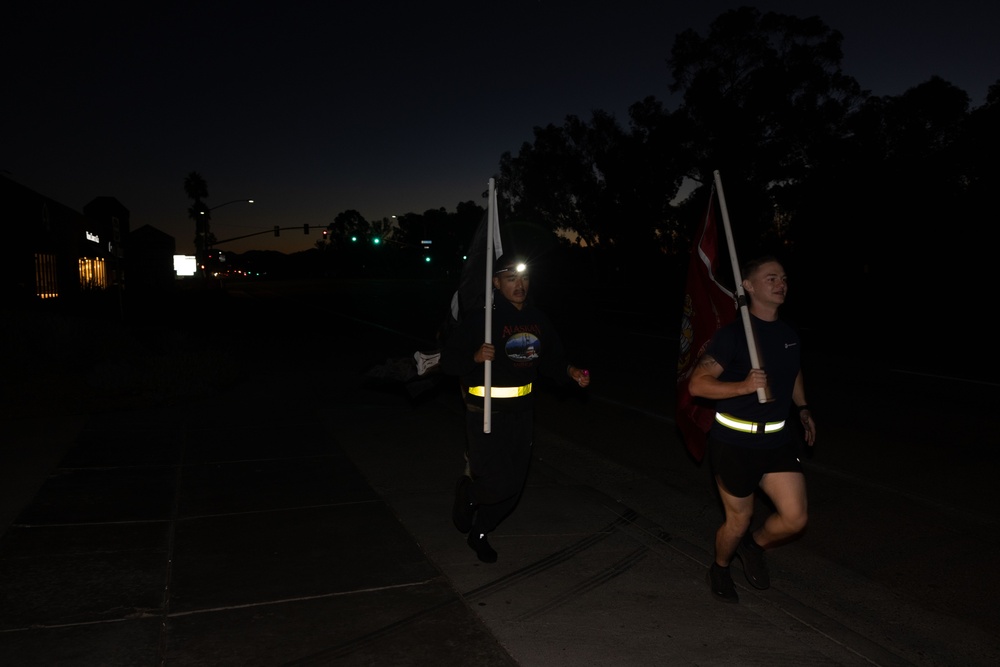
[{"x": 779, "y": 347}]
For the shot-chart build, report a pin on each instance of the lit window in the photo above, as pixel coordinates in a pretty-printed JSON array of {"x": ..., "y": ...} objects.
[
  {"x": 46, "y": 285},
  {"x": 92, "y": 274}
]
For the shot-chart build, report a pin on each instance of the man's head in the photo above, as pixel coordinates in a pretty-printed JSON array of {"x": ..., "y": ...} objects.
[
  {"x": 764, "y": 280},
  {"x": 510, "y": 276}
]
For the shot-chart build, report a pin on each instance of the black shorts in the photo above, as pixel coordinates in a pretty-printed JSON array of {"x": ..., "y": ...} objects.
[{"x": 740, "y": 469}]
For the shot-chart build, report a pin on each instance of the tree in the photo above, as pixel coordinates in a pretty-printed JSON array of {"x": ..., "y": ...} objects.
[
  {"x": 382, "y": 229},
  {"x": 907, "y": 150},
  {"x": 597, "y": 183},
  {"x": 347, "y": 225},
  {"x": 449, "y": 233},
  {"x": 196, "y": 188},
  {"x": 544, "y": 182},
  {"x": 764, "y": 103},
  {"x": 979, "y": 145}
]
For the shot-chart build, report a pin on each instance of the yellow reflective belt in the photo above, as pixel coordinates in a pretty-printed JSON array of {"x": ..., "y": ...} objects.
[
  {"x": 502, "y": 392},
  {"x": 748, "y": 427}
]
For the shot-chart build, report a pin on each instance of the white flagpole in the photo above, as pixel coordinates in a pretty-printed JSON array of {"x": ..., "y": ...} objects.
[
  {"x": 491, "y": 224},
  {"x": 764, "y": 393}
]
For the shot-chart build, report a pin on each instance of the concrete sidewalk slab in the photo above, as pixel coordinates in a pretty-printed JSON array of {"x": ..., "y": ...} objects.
[
  {"x": 206, "y": 536},
  {"x": 581, "y": 578}
]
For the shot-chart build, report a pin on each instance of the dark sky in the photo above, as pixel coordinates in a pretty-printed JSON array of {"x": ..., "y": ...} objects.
[{"x": 313, "y": 108}]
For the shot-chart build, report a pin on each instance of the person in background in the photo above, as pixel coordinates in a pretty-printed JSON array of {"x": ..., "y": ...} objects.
[
  {"x": 749, "y": 444},
  {"x": 525, "y": 344}
]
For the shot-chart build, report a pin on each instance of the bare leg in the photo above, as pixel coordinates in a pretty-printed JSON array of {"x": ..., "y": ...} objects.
[
  {"x": 738, "y": 514},
  {"x": 787, "y": 490}
]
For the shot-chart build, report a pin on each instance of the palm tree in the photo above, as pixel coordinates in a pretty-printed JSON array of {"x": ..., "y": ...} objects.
[{"x": 197, "y": 189}]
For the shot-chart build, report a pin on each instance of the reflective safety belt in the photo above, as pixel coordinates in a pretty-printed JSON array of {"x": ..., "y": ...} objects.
[
  {"x": 502, "y": 392},
  {"x": 732, "y": 422}
]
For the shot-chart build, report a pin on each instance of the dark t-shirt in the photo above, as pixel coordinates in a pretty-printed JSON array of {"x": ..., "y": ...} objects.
[
  {"x": 526, "y": 345},
  {"x": 780, "y": 348}
]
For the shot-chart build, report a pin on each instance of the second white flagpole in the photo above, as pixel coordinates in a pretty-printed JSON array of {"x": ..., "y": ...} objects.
[
  {"x": 488, "y": 337},
  {"x": 763, "y": 394}
]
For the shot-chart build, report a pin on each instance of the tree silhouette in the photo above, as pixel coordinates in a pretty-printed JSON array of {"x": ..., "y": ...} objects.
[
  {"x": 196, "y": 188},
  {"x": 764, "y": 103},
  {"x": 837, "y": 182}
]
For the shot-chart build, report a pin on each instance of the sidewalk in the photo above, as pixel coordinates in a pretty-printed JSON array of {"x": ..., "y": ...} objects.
[{"x": 291, "y": 523}]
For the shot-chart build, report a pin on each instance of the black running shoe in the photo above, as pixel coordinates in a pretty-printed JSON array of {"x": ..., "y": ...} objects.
[
  {"x": 721, "y": 584},
  {"x": 482, "y": 547},
  {"x": 754, "y": 566}
]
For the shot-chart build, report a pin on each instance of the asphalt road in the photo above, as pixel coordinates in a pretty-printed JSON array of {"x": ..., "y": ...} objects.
[{"x": 901, "y": 536}]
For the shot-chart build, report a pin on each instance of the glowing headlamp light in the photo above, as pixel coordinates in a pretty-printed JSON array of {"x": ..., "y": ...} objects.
[{"x": 520, "y": 267}]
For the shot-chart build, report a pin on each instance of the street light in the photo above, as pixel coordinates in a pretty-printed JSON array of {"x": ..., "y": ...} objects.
[
  {"x": 235, "y": 201},
  {"x": 206, "y": 234}
]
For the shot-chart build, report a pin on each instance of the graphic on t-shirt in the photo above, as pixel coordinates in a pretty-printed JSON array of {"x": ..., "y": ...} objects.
[{"x": 523, "y": 346}]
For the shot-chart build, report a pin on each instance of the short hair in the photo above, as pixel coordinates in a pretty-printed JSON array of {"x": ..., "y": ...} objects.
[{"x": 751, "y": 265}]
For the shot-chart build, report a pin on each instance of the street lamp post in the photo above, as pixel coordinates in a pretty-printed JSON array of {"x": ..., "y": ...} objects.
[
  {"x": 235, "y": 201},
  {"x": 206, "y": 234}
]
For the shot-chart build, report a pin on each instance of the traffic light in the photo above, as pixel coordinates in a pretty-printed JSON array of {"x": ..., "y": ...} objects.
[
  {"x": 305, "y": 228},
  {"x": 277, "y": 230},
  {"x": 376, "y": 241}
]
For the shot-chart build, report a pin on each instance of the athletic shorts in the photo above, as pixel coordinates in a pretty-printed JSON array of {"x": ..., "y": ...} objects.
[{"x": 740, "y": 469}]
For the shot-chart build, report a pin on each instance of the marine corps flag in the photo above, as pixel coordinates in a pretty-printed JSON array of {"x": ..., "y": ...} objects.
[{"x": 707, "y": 307}]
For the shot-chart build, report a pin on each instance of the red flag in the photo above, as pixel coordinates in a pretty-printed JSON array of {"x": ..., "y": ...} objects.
[{"x": 707, "y": 307}]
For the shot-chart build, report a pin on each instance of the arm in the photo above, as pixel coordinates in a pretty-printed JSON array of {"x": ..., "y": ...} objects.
[
  {"x": 705, "y": 383},
  {"x": 805, "y": 414},
  {"x": 578, "y": 375}
]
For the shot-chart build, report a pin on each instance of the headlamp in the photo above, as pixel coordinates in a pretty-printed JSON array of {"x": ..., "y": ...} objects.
[{"x": 520, "y": 267}]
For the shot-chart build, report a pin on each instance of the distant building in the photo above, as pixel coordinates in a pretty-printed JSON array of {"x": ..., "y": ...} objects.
[
  {"x": 107, "y": 227},
  {"x": 56, "y": 252},
  {"x": 150, "y": 260},
  {"x": 45, "y": 242}
]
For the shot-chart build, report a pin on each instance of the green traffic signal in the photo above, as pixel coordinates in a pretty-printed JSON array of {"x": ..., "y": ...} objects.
[{"x": 376, "y": 240}]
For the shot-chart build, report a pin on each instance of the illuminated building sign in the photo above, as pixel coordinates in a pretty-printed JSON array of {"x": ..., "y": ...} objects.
[
  {"x": 93, "y": 237},
  {"x": 185, "y": 265}
]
